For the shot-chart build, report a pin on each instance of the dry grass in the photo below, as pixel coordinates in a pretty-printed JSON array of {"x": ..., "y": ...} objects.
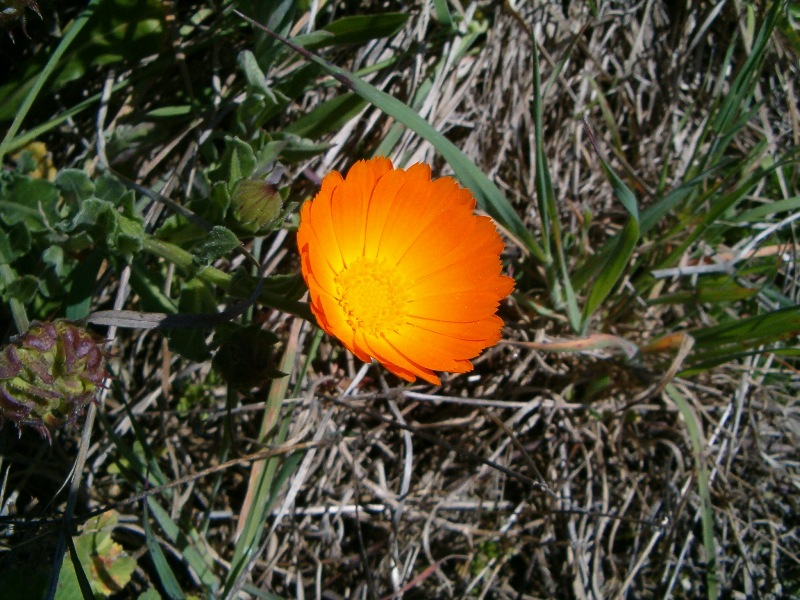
[{"x": 539, "y": 475}]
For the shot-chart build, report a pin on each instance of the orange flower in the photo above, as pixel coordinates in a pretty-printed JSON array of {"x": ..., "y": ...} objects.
[{"x": 400, "y": 269}]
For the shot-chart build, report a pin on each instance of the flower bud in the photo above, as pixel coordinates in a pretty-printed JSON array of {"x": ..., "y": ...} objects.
[
  {"x": 256, "y": 206},
  {"x": 48, "y": 375}
]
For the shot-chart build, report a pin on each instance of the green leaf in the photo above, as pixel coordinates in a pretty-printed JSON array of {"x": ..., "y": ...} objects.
[
  {"x": 148, "y": 285},
  {"x": 611, "y": 270},
  {"x": 104, "y": 563},
  {"x": 238, "y": 161},
  {"x": 219, "y": 242},
  {"x": 54, "y": 256},
  {"x": 443, "y": 13},
  {"x": 168, "y": 580},
  {"x": 30, "y": 202},
  {"x": 168, "y": 112},
  {"x": 128, "y": 236},
  {"x": 82, "y": 286},
  {"x": 197, "y": 297},
  {"x": 22, "y": 288},
  {"x": 15, "y": 243},
  {"x": 294, "y": 148},
  {"x": 357, "y": 29},
  {"x": 328, "y": 116},
  {"x": 74, "y": 185},
  {"x": 253, "y": 73},
  {"x": 108, "y": 187},
  {"x": 102, "y": 220},
  {"x": 363, "y": 28}
]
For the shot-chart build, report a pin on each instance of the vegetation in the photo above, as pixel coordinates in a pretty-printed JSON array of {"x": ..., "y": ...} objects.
[{"x": 634, "y": 434}]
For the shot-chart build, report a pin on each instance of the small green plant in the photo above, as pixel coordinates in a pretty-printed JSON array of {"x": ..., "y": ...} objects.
[{"x": 105, "y": 564}]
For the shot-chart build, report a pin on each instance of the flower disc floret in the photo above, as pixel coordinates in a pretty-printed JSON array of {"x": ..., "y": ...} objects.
[
  {"x": 372, "y": 296},
  {"x": 400, "y": 269}
]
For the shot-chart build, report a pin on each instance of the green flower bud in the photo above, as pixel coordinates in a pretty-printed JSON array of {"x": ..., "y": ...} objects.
[
  {"x": 48, "y": 375},
  {"x": 256, "y": 206}
]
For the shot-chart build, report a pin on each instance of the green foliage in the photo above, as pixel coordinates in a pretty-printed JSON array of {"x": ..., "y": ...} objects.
[
  {"x": 105, "y": 563},
  {"x": 51, "y": 227},
  {"x": 119, "y": 30},
  {"x": 244, "y": 357}
]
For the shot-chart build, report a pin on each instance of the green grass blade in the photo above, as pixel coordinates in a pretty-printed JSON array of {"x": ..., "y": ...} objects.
[
  {"x": 83, "y": 581},
  {"x": 734, "y": 104},
  {"x": 443, "y": 13},
  {"x": 138, "y": 472},
  {"x": 756, "y": 214},
  {"x": 559, "y": 282},
  {"x": 168, "y": 580},
  {"x": 719, "y": 206},
  {"x": 327, "y": 116},
  {"x": 262, "y": 488},
  {"x": 651, "y": 216},
  {"x": 487, "y": 194},
  {"x": 467, "y": 43},
  {"x": 740, "y": 338},
  {"x": 621, "y": 246},
  {"x": 70, "y": 35},
  {"x": 11, "y": 145},
  {"x": 768, "y": 327},
  {"x": 706, "y": 516}
]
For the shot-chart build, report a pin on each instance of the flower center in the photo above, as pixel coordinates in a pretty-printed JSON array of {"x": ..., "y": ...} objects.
[{"x": 372, "y": 296}]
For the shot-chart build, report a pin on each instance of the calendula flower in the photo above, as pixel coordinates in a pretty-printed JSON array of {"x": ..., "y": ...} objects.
[{"x": 400, "y": 269}]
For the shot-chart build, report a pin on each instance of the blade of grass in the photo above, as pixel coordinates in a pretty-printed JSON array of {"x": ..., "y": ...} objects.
[
  {"x": 721, "y": 204},
  {"x": 10, "y": 145},
  {"x": 443, "y": 13},
  {"x": 467, "y": 42},
  {"x": 653, "y": 214},
  {"x": 150, "y": 473},
  {"x": 71, "y": 33},
  {"x": 730, "y": 341},
  {"x": 767, "y": 327},
  {"x": 262, "y": 482},
  {"x": 733, "y": 106},
  {"x": 80, "y": 574},
  {"x": 559, "y": 282},
  {"x": 621, "y": 246},
  {"x": 699, "y": 448},
  {"x": 169, "y": 582},
  {"x": 487, "y": 194},
  {"x": 756, "y": 214},
  {"x": 728, "y": 114}
]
